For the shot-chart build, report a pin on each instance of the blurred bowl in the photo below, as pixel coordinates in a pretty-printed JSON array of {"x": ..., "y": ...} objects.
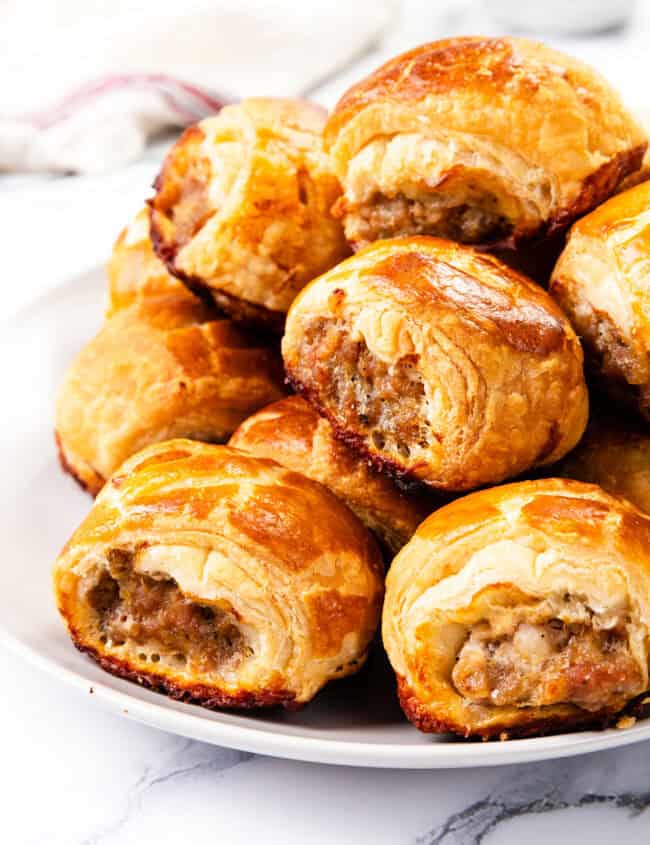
[{"x": 567, "y": 17}]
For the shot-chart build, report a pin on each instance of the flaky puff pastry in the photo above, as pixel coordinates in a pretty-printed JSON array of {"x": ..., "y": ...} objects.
[
  {"x": 293, "y": 433},
  {"x": 166, "y": 367},
  {"x": 220, "y": 578},
  {"x": 643, "y": 173},
  {"x": 521, "y": 609},
  {"x": 601, "y": 282},
  {"x": 134, "y": 270},
  {"x": 478, "y": 139},
  {"x": 242, "y": 207},
  {"x": 438, "y": 362},
  {"x": 616, "y": 455}
]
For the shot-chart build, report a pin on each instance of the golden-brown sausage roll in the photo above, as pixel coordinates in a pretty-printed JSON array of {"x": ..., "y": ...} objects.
[
  {"x": 220, "y": 578},
  {"x": 522, "y": 609},
  {"x": 440, "y": 363},
  {"x": 134, "y": 270},
  {"x": 166, "y": 367},
  {"x": 480, "y": 140},
  {"x": 615, "y": 455},
  {"x": 242, "y": 207},
  {"x": 293, "y": 433},
  {"x": 601, "y": 282}
]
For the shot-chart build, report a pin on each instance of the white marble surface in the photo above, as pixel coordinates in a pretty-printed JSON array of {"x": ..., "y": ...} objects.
[{"x": 73, "y": 774}]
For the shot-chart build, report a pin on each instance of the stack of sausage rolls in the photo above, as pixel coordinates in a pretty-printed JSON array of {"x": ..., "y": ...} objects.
[{"x": 324, "y": 358}]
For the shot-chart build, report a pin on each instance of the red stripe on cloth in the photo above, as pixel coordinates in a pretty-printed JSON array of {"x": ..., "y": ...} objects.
[{"x": 189, "y": 101}]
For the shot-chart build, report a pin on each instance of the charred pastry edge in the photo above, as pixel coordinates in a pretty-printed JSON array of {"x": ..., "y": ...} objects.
[
  {"x": 201, "y": 694},
  {"x": 240, "y": 310},
  {"x": 417, "y": 714},
  {"x": 599, "y": 186},
  {"x": 595, "y": 189},
  {"x": 405, "y": 479},
  {"x": 66, "y": 466},
  {"x": 247, "y": 313}
]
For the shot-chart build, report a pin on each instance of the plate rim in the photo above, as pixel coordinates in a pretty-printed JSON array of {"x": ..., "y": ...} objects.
[
  {"x": 384, "y": 755},
  {"x": 189, "y": 721}
]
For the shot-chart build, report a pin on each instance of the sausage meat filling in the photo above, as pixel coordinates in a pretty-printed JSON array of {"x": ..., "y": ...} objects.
[
  {"x": 384, "y": 402},
  {"x": 152, "y": 613},
  {"x": 183, "y": 198},
  {"x": 473, "y": 221},
  {"x": 584, "y": 663}
]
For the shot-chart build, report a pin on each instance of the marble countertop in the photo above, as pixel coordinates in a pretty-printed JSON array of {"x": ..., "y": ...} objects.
[{"x": 74, "y": 774}]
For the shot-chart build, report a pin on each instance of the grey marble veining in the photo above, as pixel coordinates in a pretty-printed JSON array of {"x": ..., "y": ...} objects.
[
  {"x": 619, "y": 780},
  {"x": 183, "y": 760},
  {"x": 75, "y": 775}
]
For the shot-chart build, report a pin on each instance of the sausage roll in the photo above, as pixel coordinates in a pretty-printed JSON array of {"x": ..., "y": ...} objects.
[
  {"x": 438, "y": 362},
  {"x": 614, "y": 455},
  {"x": 601, "y": 282},
  {"x": 242, "y": 207},
  {"x": 293, "y": 433},
  {"x": 166, "y": 367},
  {"x": 521, "y": 609},
  {"x": 202, "y": 573},
  {"x": 481, "y": 140},
  {"x": 134, "y": 270}
]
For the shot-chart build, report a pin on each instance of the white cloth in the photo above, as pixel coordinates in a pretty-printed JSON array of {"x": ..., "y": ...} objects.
[{"x": 95, "y": 80}]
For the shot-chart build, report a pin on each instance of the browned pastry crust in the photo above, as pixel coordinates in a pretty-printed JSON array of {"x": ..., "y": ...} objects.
[
  {"x": 643, "y": 173},
  {"x": 528, "y": 724},
  {"x": 482, "y": 140},
  {"x": 87, "y": 478},
  {"x": 640, "y": 175},
  {"x": 601, "y": 282},
  {"x": 439, "y": 363},
  {"x": 202, "y": 573},
  {"x": 134, "y": 270},
  {"x": 614, "y": 453},
  {"x": 201, "y": 694},
  {"x": 522, "y": 610},
  {"x": 167, "y": 366},
  {"x": 292, "y": 433},
  {"x": 242, "y": 208},
  {"x": 245, "y": 313}
]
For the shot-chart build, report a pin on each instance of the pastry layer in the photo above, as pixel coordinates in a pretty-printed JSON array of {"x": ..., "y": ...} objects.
[
  {"x": 201, "y": 572},
  {"x": 482, "y": 140},
  {"x": 520, "y": 610},
  {"x": 439, "y": 363},
  {"x": 242, "y": 207}
]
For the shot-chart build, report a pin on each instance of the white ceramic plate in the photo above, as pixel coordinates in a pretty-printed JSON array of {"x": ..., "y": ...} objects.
[{"x": 354, "y": 722}]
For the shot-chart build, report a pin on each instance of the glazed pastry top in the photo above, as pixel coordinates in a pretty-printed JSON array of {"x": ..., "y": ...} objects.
[
  {"x": 545, "y": 127},
  {"x": 240, "y": 532}
]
